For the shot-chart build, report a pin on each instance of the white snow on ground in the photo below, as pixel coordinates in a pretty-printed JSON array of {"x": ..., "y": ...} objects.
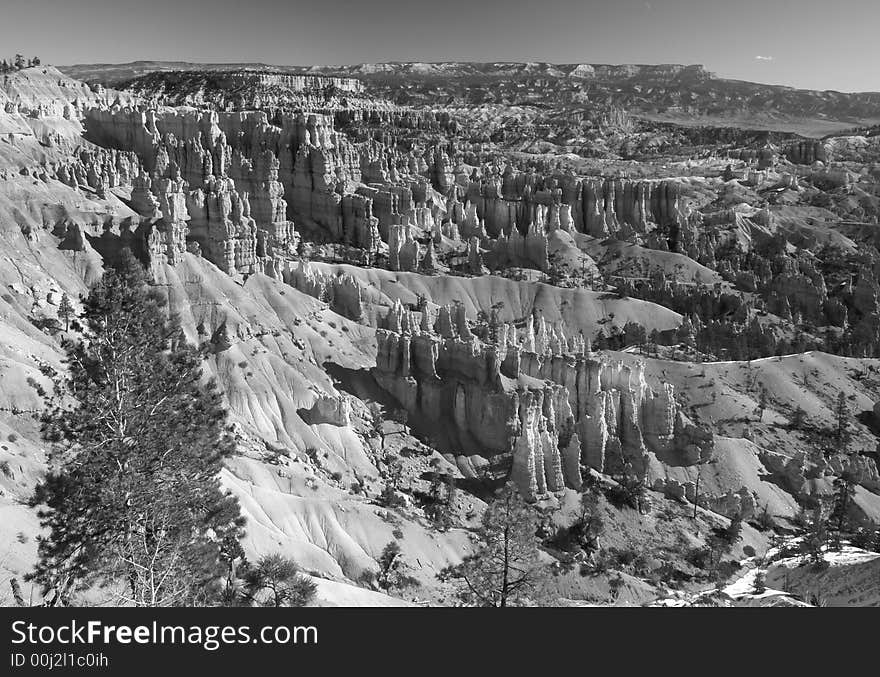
[
  {"x": 846, "y": 556},
  {"x": 843, "y": 565},
  {"x": 745, "y": 586},
  {"x": 670, "y": 602},
  {"x": 742, "y": 589},
  {"x": 333, "y": 593}
]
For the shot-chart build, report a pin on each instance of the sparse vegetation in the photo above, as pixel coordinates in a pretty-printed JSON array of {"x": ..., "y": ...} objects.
[
  {"x": 133, "y": 500},
  {"x": 507, "y": 569},
  {"x": 276, "y": 581}
]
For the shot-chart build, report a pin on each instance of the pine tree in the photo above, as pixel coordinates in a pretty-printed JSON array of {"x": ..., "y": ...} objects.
[
  {"x": 814, "y": 535},
  {"x": 392, "y": 567},
  {"x": 233, "y": 556},
  {"x": 277, "y": 579},
  {"x": 759, "y": 587},
  {"x": 133, "y": 499},
  {"x": 838, "y": 520},
  {"x": 442, "y": 496},
  {"x": 388, "y": 562},
  {"x": 841, "y": 415},
  {"x": 589, "y": 526},
  {"x": 762, "y": 403},
  {"x": 65, "y": 311},
  {"x": 506, "y": 570},
  {"x": 797, "y": 418},
  {"x": 733, "y": 532}
]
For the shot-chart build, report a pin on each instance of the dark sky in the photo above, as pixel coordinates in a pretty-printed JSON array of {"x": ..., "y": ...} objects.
[{"x": 817, "y": 44}]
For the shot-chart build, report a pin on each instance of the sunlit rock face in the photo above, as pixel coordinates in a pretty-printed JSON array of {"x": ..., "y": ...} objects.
[{"x": 534, "y": 396}]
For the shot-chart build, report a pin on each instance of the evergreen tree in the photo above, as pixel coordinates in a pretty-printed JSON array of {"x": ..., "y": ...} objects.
[
  {"x": 733, "y": 532},
  {"x": 762, "y": 402},
  {"x": 442, "y": 497},
  {"x": 589, "y": 526},
  {"x": 841, "y": 415},
  {"x": 506, "y": 570},
  {"x": 814, "y": 535},
  {"x": 233, "y": 556},
  {"x": 391, "y": 564},
  {"x": 759, "y": 587},
  {"x": 19, "y": 62},
  {"x": 388, "y": 563},
  {"x": 277, "y": 579},
  {"x": 867, "y": 539},
  {"x": 635, "y": 334},
  {"x": 133, "y": 499},
  {"x": 65, "y": 311},
  {"x": 838, "y": 520}
]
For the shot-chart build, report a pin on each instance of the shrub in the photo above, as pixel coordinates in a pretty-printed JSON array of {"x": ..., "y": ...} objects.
[
  {"x": 602, "y": 561},
  {"x": 764, "y": 521},
  {"x": 389, "y": 498},
  {"x": 866, "y": 539},
  {"x": 760, "y": 585},
  {"x": 277, "y": 580},
  {"x": 699, "y": 557},
  {"x": 625, "y": 556}
]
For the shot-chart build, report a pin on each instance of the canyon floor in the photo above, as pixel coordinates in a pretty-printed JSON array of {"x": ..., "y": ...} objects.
[{"x": 419, "y": 282}]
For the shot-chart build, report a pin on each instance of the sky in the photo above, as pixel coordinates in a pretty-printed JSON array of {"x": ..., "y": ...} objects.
[{"x": 813, "y": 44}]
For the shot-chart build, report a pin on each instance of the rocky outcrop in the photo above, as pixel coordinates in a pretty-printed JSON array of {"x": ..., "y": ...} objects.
[
  {"x": 168, "y": 239},
  {"x": 526, "y": 251},
  {"x": 403, "y": 248},
  {"x": 343, "y": 292},
  {"x": 328, "y": 409},
  {"x": 244, "y": 88},
  {"x": 602, "y": 208},
  {"x": 100, "y": 169},
  {"x": 730, "y": 504},
  {"x": 221, "y": 223},
  {"x": 807, "y": 152},
  {"x": 533, "y": 395}
]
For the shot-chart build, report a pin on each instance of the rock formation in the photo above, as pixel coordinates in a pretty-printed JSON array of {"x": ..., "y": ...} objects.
[{"x": 534, "y": 395}]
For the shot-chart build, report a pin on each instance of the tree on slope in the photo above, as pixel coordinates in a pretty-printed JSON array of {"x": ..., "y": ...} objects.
[
  {"x": 65, "y": 311},
  {"x": 277, "y": 578},
  {"x": 838, "y": 520},
  {"x": 391, "y": 574},
  {"x": 841, "y": 416},
  {"x": 506, "y": 570},
  {"x": 814, "y": 534},
  {"x": 133, "y": 500}
]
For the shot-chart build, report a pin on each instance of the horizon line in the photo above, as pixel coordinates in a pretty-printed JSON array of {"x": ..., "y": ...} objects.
[{"x": 713, "y": 74}]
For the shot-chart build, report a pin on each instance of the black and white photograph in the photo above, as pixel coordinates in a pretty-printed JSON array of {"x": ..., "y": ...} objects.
[{"x": 570, "y": 304}]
